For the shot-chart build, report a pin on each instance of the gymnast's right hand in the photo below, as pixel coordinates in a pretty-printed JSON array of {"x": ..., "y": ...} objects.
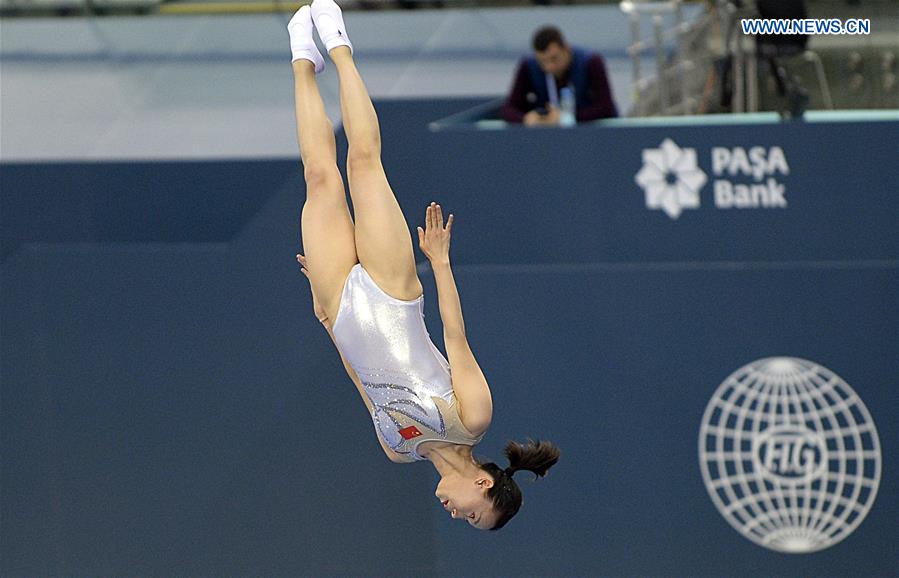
[
  {"x": 316, "y": 306},
  {"x": 434, "y": 240}
]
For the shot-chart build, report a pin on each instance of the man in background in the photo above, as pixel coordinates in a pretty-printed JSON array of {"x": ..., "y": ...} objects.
[{"x": 534, "y": 99}]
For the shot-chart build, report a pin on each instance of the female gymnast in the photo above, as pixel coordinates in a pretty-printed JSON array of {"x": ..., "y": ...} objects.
[{"x": 367, "y": 295}]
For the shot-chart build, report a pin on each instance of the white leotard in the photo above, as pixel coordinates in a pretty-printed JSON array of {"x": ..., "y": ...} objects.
[{"x": 405, "y": 376}]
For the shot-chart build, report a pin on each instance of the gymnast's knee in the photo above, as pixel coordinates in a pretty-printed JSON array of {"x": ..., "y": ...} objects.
[
  {"x": 321, "y": 176},
  {"x": 362, "y": 156}
]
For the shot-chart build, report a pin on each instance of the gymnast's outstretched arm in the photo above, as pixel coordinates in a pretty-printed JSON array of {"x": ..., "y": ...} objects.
[{"x": 469, "y": 384}]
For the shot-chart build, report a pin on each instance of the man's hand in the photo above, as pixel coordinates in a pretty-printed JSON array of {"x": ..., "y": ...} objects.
[
  {"x": 434, "y": 240},
  {"x": 531, "y": 118},
  {"x": 316, "y": 306},
  {"x": 534, "y": 118},
  {"x": 552, "y": 117}
]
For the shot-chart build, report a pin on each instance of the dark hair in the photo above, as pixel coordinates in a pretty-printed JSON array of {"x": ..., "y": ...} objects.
[
  {"x": 546, "y": 36},
  {"x": 536, "y": 457}
]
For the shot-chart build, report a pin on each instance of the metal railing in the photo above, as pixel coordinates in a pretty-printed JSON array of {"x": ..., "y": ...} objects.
[{"x": 670, "y": 80}]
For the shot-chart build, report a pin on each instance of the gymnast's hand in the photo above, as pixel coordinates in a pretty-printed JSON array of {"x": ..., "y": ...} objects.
[
  {"x": 434, "y": 240},
  {"x": 316, "y": 307}
]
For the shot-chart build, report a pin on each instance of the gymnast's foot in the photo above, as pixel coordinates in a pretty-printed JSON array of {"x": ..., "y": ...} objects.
[
  {"x": 301, "y": 43},
  {"x": 329, "y": 23}
]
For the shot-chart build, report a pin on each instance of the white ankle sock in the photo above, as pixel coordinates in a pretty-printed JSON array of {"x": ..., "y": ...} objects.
[
  {"x": 329, "y": 23},
  {"x": 301, "y": 43}
]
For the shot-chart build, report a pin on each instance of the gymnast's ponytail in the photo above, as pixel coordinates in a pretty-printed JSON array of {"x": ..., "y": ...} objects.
[{"x": 536, "y": 457}]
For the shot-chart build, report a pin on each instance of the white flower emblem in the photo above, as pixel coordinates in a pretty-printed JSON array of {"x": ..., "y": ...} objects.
[{"x": 670, "y": 178}]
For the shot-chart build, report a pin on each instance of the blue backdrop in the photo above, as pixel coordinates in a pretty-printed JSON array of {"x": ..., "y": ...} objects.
[{"x": 167, "y": 392}]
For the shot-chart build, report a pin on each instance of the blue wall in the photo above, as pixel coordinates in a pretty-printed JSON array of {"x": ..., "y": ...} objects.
[{"x": 166, "y": 389}]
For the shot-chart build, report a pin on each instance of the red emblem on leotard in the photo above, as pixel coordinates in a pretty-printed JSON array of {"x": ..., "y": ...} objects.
[{"x": 410, "y": 432}]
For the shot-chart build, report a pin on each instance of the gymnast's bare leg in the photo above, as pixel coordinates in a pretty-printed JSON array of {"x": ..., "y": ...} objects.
[
  {"x": 383, "y": 238},
  {"x": 329, "y": 240}
]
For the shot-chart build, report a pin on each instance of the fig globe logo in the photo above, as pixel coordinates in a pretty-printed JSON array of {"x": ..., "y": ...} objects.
[
  {"x": 670, "y": 178},
  {"x": 789, "y": 455}
]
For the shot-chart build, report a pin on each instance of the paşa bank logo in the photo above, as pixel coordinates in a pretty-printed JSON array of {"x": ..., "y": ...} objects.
[
  {"x": 789, "y": 455},
  {"x": 743, "y": 178},
  {"x": 670, "y": 178}
]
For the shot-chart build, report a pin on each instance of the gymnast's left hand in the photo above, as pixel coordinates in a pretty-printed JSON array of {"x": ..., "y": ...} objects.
[
  {"x": 434, "y": 240},
  {"x": 316, "y": 306}
]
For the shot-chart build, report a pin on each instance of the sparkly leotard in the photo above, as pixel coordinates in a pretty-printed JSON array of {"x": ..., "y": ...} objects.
[{"x": 405, "y": 376}]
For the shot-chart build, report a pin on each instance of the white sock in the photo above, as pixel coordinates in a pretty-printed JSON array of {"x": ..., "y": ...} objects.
[
  {"x": 329, "y": 23},
  {"x": 301, "y": 43}
]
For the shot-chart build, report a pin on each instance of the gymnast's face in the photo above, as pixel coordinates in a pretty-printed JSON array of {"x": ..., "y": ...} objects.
[
  {"x": 465, "y": 498},
  {"x": 555, "y": 59}
]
